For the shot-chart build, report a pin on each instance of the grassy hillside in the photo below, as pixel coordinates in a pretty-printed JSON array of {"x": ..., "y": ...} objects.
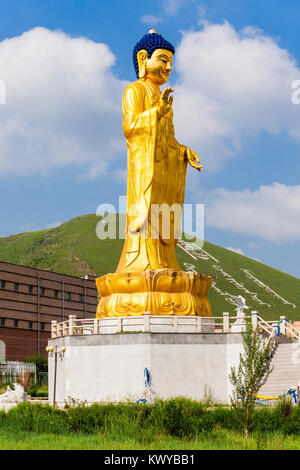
[{"x": 74, "y": 248}]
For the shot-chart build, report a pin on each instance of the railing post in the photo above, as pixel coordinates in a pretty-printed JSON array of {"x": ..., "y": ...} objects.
[
  {"x": 96, "y": 325},
  {"x": 72, "y": 324},
  {"x": 226, "y": 322},
  {"x": 199, "y": 324},
  {"x": 283, "y": 321},
  {"x": 175, "y": 324},
  {"x": 147, "y": 322},
  {"x": 254, "y": 319},
  {"x": 53, "y": 329},
  {"x": 65, "y": 328},
  {"x": 275, "y": 329}
]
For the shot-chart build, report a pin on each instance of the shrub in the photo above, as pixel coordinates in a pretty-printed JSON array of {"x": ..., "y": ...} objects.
[
  {"x": 37, "y": 418},
  {"x": 178, "y": 417}
]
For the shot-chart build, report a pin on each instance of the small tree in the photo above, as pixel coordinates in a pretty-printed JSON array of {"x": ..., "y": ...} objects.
[
  {"x": 252, "y": 373},
  {"x": 41, "y": 363}
]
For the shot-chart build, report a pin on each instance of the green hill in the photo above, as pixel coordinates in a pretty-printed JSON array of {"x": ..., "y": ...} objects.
[{"x": 73, "y": 248}]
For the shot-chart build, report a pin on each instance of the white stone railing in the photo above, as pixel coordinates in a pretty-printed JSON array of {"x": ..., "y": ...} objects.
[
  {"x": 171, "y": 324},
  {"x": 288, "y": 329},
  {"x": 166, "y": 324}
]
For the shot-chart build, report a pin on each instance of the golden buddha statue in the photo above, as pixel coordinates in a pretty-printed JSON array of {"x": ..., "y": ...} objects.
[{"x": 148, "y": 277}]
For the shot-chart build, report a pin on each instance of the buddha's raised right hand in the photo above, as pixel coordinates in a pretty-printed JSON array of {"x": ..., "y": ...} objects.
[{"x": 165, "y": 102}]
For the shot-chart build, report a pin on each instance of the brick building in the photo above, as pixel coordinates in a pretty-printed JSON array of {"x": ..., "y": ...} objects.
[{"x": 31, "y": 298}]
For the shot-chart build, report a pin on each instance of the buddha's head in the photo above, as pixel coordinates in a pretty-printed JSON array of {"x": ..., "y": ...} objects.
[{"x": 152, "y": 58}]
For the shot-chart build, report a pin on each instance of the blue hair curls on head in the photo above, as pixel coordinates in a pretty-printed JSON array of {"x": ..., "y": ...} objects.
[{"x": 150, "y": 42}]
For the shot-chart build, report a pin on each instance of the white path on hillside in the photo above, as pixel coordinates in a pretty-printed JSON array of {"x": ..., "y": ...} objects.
[
  {"x": 198, "y": 253},
  {"x": 191, "y": 267},
  {"x": 195, "y": 251},
  {"x": 250, "y": 275},
  {"x": 240, "y": 285}
]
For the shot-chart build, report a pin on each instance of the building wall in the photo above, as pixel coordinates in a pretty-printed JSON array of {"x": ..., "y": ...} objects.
[{"x": 31, "y": 298}]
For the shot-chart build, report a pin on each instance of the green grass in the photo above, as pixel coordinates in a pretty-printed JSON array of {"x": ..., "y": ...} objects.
[
  {"x": 177, "y": 424},
  {"x": 73, "y": 248},
  {"x": 219, "y": 440}
]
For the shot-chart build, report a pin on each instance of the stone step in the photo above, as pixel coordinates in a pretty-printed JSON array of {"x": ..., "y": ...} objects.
[
  {"x": 279, "y": 383},
  {"x": 287, "y": 358},
  {"x": 286, "y": 351},
  {"x": 276, "y": 389},
  {"x": 276, "y": 392},
  {"x": 285, "y": 373},
  {"x": 293, "y": 352},
  {"x": 282, "y": 385},
  {"x": 285, "y": 378},
  {"x": 286, "y": 365}
]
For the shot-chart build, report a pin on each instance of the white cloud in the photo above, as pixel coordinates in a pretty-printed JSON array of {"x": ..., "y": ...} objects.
[
  {"x": 151, "y": 20},
  {"x": 271, "y": 212},
  {"x": 173, "y": 6},
  {"x": 53, "y": 225},
  {"x": 64, "y": 101},
  {"x": 29, "y": 227},
  {"x": 62, "y": 107},
  {"x": 201, "y": 10},
  {"x": 34, "y": 227},
  {"x": 232, "y": 85},
  {"x": 235, "y": 250}
]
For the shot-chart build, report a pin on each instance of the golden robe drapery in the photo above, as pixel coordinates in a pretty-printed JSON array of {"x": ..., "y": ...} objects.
[{"x": 156, "y": 175}]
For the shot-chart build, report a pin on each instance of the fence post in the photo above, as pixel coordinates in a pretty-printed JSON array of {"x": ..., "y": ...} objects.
[
  {"x": 254, "y": 319},
  {"x": 119, "y": 324},
  {"x": 53, "y": 329},
  {"x": 175, "y": 324},
  {"x": 147, "y": 322},
  {"x": 226, "y": 322},
  {"x": 199, "y": 324},
  {"x": 96, "y": 325},
  {"x": 72, "y": 324}
]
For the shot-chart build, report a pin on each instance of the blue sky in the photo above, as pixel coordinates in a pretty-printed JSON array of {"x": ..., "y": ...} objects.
[{"x": 65, "y": 64}]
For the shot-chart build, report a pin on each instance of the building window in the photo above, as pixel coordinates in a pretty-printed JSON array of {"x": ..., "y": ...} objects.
[
  {"x": 56, "y": 294},
  {"x": 68, "y": 295},
  {"x": 30, "y": 325},
  {"x": 80, "y": 298},
  {"x": 30, "y": 289},
  {"x": 42, "y": 290},
  {"x": 2, "y": 321},
  {"x": 16, "y": 286},
  {"x": 16, "y": 323},
  {"x": 42, "y": 326},
  {"x": 2, "y": 284}
]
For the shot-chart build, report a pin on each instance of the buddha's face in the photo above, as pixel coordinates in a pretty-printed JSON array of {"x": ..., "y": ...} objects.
[{"x": 159, "y": 66}]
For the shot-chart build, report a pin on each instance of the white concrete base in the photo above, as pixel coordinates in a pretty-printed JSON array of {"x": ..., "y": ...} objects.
[{"x": 110, "y": 367}]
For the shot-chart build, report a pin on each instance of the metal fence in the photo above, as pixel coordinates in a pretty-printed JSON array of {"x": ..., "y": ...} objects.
[{"x": 11, "y": 370}]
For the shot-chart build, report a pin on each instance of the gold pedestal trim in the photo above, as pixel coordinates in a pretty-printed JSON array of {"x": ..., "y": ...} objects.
[{"x": 163, "y": 292}]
